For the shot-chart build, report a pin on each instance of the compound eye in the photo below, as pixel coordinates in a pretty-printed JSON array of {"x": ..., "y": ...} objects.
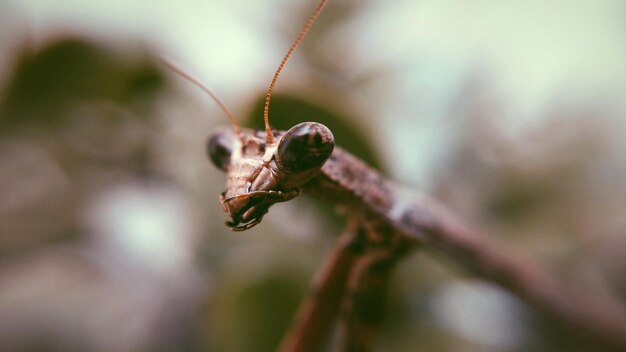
[
  {"x": 219, "y": 149},
  {"x": 305, "y": 146}
]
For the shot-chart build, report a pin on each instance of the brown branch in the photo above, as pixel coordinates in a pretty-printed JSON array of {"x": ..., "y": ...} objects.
[
  {"x": 600, "y": 321},
  {"x": 318, "y": 312},
  {"x": 353, "y": 281},
  {"x": 348, "y": 182},
  {"x": 363, "y": 301}
]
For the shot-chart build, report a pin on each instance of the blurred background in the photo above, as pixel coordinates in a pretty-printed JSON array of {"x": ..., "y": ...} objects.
[{"x": 111, "y": 234}]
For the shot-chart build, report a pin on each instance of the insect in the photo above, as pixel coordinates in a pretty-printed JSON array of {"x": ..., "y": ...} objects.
[{"x": 386, "y": 222}]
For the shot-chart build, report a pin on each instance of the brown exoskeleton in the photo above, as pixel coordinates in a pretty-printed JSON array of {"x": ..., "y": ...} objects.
[
  {"x": 260, "y": 174},
  {"x": 265, "y": 168}
]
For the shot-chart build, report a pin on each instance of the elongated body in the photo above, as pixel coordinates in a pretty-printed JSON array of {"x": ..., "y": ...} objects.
[{"x": 394, "y": 220}]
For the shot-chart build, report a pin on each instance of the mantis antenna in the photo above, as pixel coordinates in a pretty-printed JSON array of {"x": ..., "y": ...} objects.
[
  {"x": 305, "y": 29},
  {"x": 192, "y": 79}
]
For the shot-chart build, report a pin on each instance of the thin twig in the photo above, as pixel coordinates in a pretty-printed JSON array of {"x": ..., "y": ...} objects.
[
  {"x": 363, "y": 301},
  {"x": 597, "y": 319},
  {"x": 319, "y": 310},
  {"x": 348, "y": 182}
]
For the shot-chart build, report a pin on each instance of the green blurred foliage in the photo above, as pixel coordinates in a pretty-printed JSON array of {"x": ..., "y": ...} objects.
[
  {"x": 45, "y": 83},
  {"x": 74, "y": 119},
  {"x": 252, "y": 315}
]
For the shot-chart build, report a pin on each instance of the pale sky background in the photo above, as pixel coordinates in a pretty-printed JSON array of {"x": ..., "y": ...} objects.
[{"x": 536, "y": 52}]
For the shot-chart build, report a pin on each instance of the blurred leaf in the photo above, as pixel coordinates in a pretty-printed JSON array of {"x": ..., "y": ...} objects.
[
  {"x": 254, "y": 315},
  {"x": 516, "y": 200},
  {"x": 46, "y": 83}
]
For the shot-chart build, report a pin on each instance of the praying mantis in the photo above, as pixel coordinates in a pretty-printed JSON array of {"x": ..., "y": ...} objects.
[{"x": 386, "y": 222}]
